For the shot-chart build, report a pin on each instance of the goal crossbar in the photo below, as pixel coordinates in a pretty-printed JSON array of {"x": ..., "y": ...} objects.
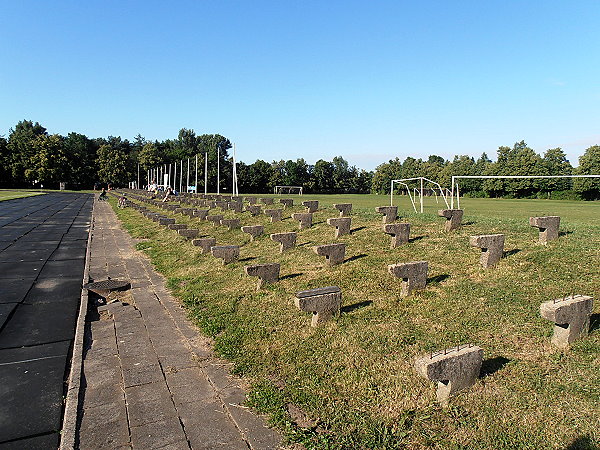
[
  {"x": 416, "y": 191},
  {"x": 277, "y": 189},
  {"x": 457, "y": 177}
]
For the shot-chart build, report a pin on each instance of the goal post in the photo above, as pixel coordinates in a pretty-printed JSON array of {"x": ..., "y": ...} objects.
[
  {"x": 288, "y": 190},
  {"x": 455, "y": 188},
  {"x": 418, "y": 193}
]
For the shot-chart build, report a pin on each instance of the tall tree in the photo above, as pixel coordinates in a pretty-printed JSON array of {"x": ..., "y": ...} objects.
[
  {"x": 20, "y": 147},
  {"x": 384, "y": 174},
  {"x": 113, "y": 165},
  {"x": 81, "y": 155},
  {"x": 589, "y": 164},
  {"x": 556, "y": 163},
  {"x": 48, "y": 164}
]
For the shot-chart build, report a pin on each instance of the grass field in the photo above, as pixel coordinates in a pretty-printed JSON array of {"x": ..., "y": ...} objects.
[
  {"x": 351, "y": 382},
  {"x": 10, "y": 194}
]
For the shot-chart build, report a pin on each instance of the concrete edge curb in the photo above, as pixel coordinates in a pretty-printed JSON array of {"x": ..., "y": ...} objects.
[{"x": 69, "y": 423}]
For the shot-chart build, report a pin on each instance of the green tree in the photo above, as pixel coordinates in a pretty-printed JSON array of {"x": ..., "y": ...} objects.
[
  {"x": 589, "y": 164},
  {"x": 112, "y": 165},
  {"x": 556, "y": 163},
  {"x": 48, "y": 163},
  {"x": 384, "y": 174},
  {"x": 20, "y": 148},
  {"x": 149, "y": 156},
  {"x": 322, "y": 177},
  {"x": 5, "y": 175},
  {"x": 81, "y": 155}
]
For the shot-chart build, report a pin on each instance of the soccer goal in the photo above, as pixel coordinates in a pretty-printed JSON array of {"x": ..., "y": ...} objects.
[
  {"x": 417, "y": 188},
  {"x": 456, "y": 190},
  {"x": 288, "y": 190}
]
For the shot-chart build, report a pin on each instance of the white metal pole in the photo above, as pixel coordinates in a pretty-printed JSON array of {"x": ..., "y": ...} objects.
[
  {"x": 233, "y": 174},
  {"x": 181, "y": 177},
  {"x": 392, "y": 193},
  {"x": 218, "y": 169},
  {"x": 187, "y": 188},
  {"x": 196, "y": 182},
  {"x": 421, "y": 195},
  {"x": 205, "y": 172}
]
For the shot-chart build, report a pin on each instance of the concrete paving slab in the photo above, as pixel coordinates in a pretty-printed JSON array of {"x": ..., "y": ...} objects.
[
  {"x": 149, "y": 403},
  {"x": 167, "y": 432},
  {"x": 15, "y": 290},
  {"x": 65, "y": 268},
  {"x": 5, "y": 310},
  {"x": 50, "y": 290},
  {"x": 47, "y": 441},
  {"x": 25, "y": 269},
  {"x": 31, "y": 390},
  {"x": 39, "y": 324}
]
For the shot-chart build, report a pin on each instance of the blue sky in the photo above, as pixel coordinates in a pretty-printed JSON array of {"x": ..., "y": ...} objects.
[{"x": 367, "y": 80}]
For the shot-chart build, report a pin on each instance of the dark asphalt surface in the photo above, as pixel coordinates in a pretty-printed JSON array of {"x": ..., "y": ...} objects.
[{"x": 43, "y": 242}]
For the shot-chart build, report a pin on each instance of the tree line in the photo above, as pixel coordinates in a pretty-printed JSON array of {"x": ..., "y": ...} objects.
[{"x": 31, "y": 157}]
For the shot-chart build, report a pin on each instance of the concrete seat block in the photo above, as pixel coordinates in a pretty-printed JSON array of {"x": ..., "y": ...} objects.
[
  {"x": 267, "y": 201},
  {"x": 275, "y": 214},
  {"x": 453, "y": 369},
  {"x": 186, "y": 212},
  {"x": 230, "y": 223},
  {"x": 342, "y": 225},
  {"x": 322, "y": 302},
  {"x": 286, "y": 240},
  {"x": 571, "y": 316},
  {"x": 304, "y": 219},
  {"x": 228, "y": 253},
  {"x": 215, "y": 219},
  {"x": 334, "y": 253},
  {"x": 201, "y": 213},
  {"x": 343, "y": 208},
  {"x": 255, "y": 210},
  {"x": 205, "y": 244},
  {"x": 177, "y": 226},
  {"x": 253, "y": 231},
  {"x": 453, "y": 218},
  {"x": 286, "y": 202},
  {"x": 222, "y": 205},
  {"x": 400, "y": 233},
  {"x": 251, "y": 200},
  {"x": 548, "y": 227},
  {"x": 492, "y": 248},
  {"x": 413, "y": 274},
  {"x": 166, "y": 221},
  {"x": 235, "y": 206},
  {"x": 266, "y": 273},
  {"x": 189, "y": 233},
  {"x": 311, "y": 205},
  {"x": 390, "y": 213}
]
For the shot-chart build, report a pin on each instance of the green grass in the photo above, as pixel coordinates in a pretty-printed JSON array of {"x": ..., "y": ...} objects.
[
  {"x": 353, "y": 378},
  {"x": 12, "y": 194}
]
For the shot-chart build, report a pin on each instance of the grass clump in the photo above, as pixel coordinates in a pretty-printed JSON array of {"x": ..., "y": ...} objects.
[{"x": 350, "y": 383}]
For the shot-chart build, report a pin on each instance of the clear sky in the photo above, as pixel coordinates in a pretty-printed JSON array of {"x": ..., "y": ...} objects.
[{"x": 367, "y": 80}]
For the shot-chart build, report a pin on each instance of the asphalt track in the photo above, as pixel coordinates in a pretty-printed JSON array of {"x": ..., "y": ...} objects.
[{"x": 43, "y": 243}]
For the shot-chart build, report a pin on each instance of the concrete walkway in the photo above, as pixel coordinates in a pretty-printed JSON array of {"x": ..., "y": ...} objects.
[{"x": 149, "y": 379}]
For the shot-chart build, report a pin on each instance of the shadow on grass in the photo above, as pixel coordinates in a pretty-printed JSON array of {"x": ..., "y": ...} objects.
[
  {"x": 290, "y": 276},
  {"x": 418, "y": 238},
  {"x": 354, "y": 230},
  {"x": 564, "y": 233},
  {"x": 582, "y": 443},
  {"x": 249, "y": 258},
  {"x": 438, "y": 278},
  {"x": 514, "y": 251},
  {"x": 594, "y": 322},
  {"x": 304, "y": 244},
  {"x": 492, "y": 365},
  {"x": 350, "y": 308},
  {"x": 468, "y": 223},
  {"x": 355, "y": 257}
]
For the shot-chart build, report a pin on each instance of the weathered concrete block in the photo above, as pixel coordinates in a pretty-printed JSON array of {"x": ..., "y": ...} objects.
[
  {"x": 215, "y": 219},
  {"x": 235, "y": 206},
  {"x": 189, "y": 233},
  {"x": 311, "y": 205},
  {"x": 390, "y": 213},
  {"x": 266, "y": 273},
  {"x": 275, "y": 214},
  {"x": 166, "y": 221},
  {"x": 201, "y": 213},
  {"x": 492, "y": 248},
  {"x": 286, "y": 202},
  {"x": 222, "y": 205},
  {"x": 453, "y": 369},
  {"x": 286, "y": 240},
  {"x": 305, "y": 219},
  {"x": 413, "y": 274},
  {"x": 177, "y": 226},
  {"x": 453, "y": 218},
  {"x": 323, "y": 303},
  {"x": 187, "y": 212},
  {"x": 250, "y": 200},
  {"x": 177, "y": 210},
  {"x": 230, "y": 223},
  {"x": 333, "y": 253},
  {"x": 267, "y": 201},
  {"x": 571, "y": 316},
  {"x": 343, "y": 208},
  {"x": 253, "y": 231},
  {"x": 255, "y": 210},
  {"x": 400, "y": 233},
  {"x": 228, "y": 253},
  {"x": 205, "y": 244},
  {"x": 342, "y": 225},
  {"x": 548, "y": 226}
]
